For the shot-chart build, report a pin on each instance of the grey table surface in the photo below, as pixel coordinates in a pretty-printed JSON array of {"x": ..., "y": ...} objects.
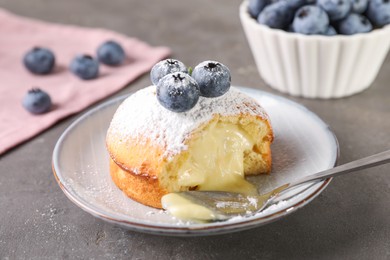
[{"x": 349, "y": 220}]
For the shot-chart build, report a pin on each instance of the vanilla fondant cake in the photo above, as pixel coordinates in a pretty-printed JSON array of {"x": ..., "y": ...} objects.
[{"x": 155, "y": 151}]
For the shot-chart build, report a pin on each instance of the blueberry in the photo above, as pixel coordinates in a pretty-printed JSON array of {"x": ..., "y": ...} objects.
[
  {"x": 85, "y": 67},
  {"x": 36, "y": 101},
  {"x": 336, "y": 9},
  {"x": 290, "y": 28},
  {"x": 359, "y": 6},
  {"x": 277, "y": 15},
  {"x": 310, "y": 19},
  {"x": 354, "y": 23},
  {"x": 111, "y": 53},
  {"x": 213, "y": 78},
  {"x": 331, "y": 31},
  {"x": 378, "y": 11},
  {"x": 166, "y": 67},
  {"x": 39, "y": 60},
  {"x": 178, "y": 92},
  {"x": 256, "y": 6},
  {"x": 295, "y": 4}
]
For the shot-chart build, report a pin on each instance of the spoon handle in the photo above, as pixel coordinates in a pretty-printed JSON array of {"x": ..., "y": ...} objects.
[{"x": 367, "y": 162}]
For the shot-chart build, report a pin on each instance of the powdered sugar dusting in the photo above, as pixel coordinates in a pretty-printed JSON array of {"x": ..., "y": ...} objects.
[{"x": 140, "y": 116}]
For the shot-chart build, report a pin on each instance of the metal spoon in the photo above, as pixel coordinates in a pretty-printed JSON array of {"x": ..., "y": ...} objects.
[{"x": 225, "y": 205}]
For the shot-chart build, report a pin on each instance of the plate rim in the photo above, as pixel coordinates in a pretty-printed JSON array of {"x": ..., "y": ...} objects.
[{"x": 188, "y": 230}]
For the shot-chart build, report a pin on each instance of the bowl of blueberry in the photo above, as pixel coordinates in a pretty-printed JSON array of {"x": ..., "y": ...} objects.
[{"x": 317, "y": 48}]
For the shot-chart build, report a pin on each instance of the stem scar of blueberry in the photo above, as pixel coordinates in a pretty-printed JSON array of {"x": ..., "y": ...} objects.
[{"x": 178, "y": 77}]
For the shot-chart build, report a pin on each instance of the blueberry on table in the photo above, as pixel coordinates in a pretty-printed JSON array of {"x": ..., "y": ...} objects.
[
  {"x": 166, "y": 67},
  {"x": 39, "y": 60},
  {"x": 336, "y": 9},
  {"x": 36, "y": 101},
  {"x": 213, "y": 78},
  {"x": 256, "y": 6},
  {"x": 378, "y": 11},
  {"x": 359, "y": 6},
  {"x": 178, "y": 92},
  {"x": 311, "y": 19},
  {"x": 354, "y": 23},
  {"x": 85, "y": 67},
  {"x": 277, "y": 15},
  {"x": 111, "y": 53}
]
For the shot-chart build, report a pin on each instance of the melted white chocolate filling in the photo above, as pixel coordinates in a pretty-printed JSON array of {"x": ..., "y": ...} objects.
[
  {"x": 216, "y": 160},
  {"x": 183, "y": 208}
]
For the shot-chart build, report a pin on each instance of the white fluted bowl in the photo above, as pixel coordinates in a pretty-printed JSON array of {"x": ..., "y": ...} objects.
[{"x": 315, "y": 66}]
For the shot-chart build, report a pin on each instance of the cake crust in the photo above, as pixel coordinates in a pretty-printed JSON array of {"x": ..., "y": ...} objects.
[
  {"x": 142, "y": 188},
  {"x": 141, "y": 156}
]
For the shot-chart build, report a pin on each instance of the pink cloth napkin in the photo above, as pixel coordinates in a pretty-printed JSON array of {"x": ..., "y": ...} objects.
[{"x": 69, "y": 94}]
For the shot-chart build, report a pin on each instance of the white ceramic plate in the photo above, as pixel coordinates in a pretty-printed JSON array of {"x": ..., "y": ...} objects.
[{"x": 303, "y": 145}]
